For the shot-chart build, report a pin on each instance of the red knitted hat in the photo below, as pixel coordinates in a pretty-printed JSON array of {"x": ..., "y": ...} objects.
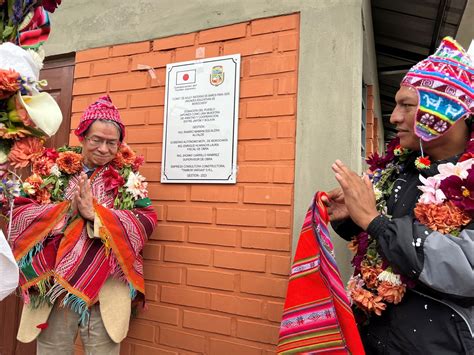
[{"x": 102, "y": 109}]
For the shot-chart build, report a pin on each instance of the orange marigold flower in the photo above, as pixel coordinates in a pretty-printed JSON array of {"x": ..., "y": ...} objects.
[
  {"x": 43, "y": 196},
  {"x": 391, "y": 293},
  {"x": 69, "y": 162},
  {"x": 369, "y": 275},
  {"x": 9, "y": 83},
  {"x": 42, "y": 166},
  {"x": 34, "y": 180},
  {"x": 128, "y": 155},
  {"x": 443, "y": 218},
  {"x": 368, "y": 301},
  {"x": 24, "y": 151}
]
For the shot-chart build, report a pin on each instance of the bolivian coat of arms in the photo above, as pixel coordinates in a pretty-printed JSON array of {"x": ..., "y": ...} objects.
[{"x": 217, "y": 75}]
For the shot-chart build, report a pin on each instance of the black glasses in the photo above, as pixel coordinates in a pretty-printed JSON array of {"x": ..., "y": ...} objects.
[{"x": 97, "y": 142}]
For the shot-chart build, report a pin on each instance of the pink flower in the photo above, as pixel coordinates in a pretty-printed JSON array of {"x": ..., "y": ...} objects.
[{"x": 431, "y": 191}]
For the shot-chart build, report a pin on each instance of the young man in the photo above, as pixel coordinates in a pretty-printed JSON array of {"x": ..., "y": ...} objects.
[
  {"x": 413, "y": 288},
  {"x": 78, "y": 239}
]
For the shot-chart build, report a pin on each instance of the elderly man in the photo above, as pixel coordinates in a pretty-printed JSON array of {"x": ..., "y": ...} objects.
[
  {"x": 413, "y": 285},
  {"x": 77, "y": 237}
]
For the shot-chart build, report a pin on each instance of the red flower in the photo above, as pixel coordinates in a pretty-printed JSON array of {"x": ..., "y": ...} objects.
[
  {"x": 139, "y": 159},
  {"x": 51, "y": 154},
  {"x": 113, "y": 180}
]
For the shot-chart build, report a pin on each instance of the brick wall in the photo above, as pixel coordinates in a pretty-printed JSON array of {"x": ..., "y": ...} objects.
[
  {"x": 372, "y": 130},
  {"x": 216, "y": 267}
]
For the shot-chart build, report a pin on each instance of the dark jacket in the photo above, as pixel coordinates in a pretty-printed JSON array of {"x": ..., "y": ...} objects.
[{"x": 436, "y": 315}]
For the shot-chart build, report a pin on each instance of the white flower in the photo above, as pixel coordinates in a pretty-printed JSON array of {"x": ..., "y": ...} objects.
[
  {"x": 378, "y": 193},
  {"x": 3, "y": 156},
  {"x": 55, "y": 170},
  {"x": 460, "y": 169},
  {"x": 28, "y": 188},
  {"x": 136, "y": 185},
  {"x": 390, "y": 277}
]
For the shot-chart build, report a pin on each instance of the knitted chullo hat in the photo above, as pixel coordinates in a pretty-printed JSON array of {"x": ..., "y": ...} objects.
[
  {"x": 444, "y": 82},
  {"x": 102, "y": 109}
]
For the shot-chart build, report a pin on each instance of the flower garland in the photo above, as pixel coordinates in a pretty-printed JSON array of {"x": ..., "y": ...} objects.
[
  {"x": 374, "y": 283},
  {"x": 446, "y": 205},
  {"x": 53, "y": 168}
]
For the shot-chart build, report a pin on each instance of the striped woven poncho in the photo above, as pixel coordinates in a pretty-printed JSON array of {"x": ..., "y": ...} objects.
[
  {"x": 59, "y": 260},
  {"x": 317, "y": 317}
]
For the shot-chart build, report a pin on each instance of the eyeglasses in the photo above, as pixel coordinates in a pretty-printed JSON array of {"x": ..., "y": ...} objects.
[{"x": 97, "y": 142}]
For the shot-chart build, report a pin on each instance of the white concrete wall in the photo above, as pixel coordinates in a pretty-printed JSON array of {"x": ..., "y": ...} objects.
[{"x": 330, "y": 67}]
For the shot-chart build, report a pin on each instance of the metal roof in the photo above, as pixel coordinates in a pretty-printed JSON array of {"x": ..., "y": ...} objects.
[{"x": 407, "y": 31}]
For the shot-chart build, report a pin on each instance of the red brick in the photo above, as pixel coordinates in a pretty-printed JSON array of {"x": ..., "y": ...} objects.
[
  {"x": 191, "y": 53},
  {"x": 92, "y": 54},
  {"x": 82, "y": 70},
  {"x": 211, "y": 279},
  {"x": 154, "y": 59},
  {"x": 236, "y": 305},
  {"x": 268, "y": 195},
  {"x": 239, "y": 261},
  {"x": 190, "y": 214},
  {"x": 287, "y": 85},
  {"x": 255, "y": 130},
  {"x": 207, "y": 322},
  {"x": 288, "y": 42},
  {"x": 187, "y": 255},
  {"x": 141, "y": 331},
  {"x": 242, "y": 217},
  {"x": 182, "y": 340},
  {"x": 159, "y": 79},
  {"x": 284, "y": 174},
  {"x": 286, "y": 129},
  {"x": 160, "y": 314},
  {"x": 283, "y": 219},
  {"x": 132, "y": 81},
  {"x": 273, "y": 107},
  {"x": 79, "y": 104},
  {"x": 265, "y": 240},
  {"x": 119, "y": 100},
  {"x": 274, "y": 64},
  {"x": 148, "y": 98},
  {"x": 158, "y": 272},
  {"x": 151, "y": 292},
  {"x": 154, "y": 154},
  {"x": 185, "y": 297},
  {"x": 275, "y": 24},
  {"x": 89, "y": 86},
  {"x": 270, "y": 151},
  {"x": 174, "y": 42},
  {"x": 133, "y": 117},
  {"x": 152, "y": 251},
  {"x": 156, "y": 115},
  {"x": 159, "y": 209},
  {"x": 130, "y": 48},
  {"x": 254, "y": 173},
  {"x": 274, "y": 311},
  {"x": 214, "y": 193},
  {"x": 223, "y": 33},
  {"x": 265, "y": 286},
  {"x": 139, "y": 349},
  {"x": 213, "y": 236},
  {"x": 168, "y": 232},
  {"x": 264, "y": 333},
  {"x": 250, "y": 46},
  {"x": 219, "y": 347},
  {"x": 256, "y": 87},
  {"x": 280, "y": 265},
  {"x": 168, "y": 192},
  {"x": 151, "y": 134},
  {"x": 110, "y": 66}
]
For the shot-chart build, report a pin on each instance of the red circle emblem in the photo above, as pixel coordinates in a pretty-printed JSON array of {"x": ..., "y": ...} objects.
[{"x": 185, "y": 77}]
